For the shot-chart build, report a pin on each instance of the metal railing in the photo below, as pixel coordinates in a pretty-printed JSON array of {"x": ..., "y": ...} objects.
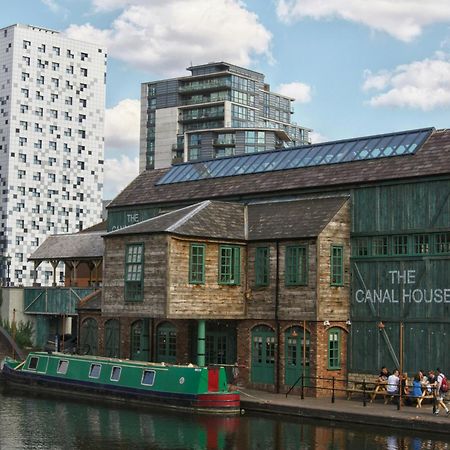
[{"x": 367, "y": 389}]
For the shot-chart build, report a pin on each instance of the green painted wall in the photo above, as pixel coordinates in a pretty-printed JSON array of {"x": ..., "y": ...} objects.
[
  {"x": 124, "y": 218},
  {"x": 406, "y": 207},
  {"x": 412, "y": 290}
]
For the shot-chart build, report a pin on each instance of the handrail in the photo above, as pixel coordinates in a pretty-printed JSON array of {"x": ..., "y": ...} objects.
[{"x": 367, "y": 388}]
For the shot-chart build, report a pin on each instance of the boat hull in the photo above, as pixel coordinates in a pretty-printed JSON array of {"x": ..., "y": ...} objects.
[{"x": 208, "y": 403}]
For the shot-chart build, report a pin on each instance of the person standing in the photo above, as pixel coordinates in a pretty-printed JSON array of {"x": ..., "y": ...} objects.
[{"x": 441, "y": 391}]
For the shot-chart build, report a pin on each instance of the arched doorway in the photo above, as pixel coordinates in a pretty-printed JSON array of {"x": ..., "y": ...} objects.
[
  {"x": 112, "y": 338},
  {"x": 139, "y": 341},
  {"x": 166, "y": 343},
  {"x": 297, "y": 351},
  {"x": 263, "y": 355},
  {"x": 89, "y": 337}
]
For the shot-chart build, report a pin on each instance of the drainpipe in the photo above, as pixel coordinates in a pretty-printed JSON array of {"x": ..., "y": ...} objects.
[
  {"x": 201, "y": 343},
  {"x": 277, "y": 301}
]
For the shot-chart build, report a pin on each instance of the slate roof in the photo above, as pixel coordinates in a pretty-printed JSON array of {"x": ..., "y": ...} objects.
[
  {"x": 70, "y": 247},
  {"x": 226, "y": 220},
  {"x": 207, "y": 219},
  {"x": 432, "y": 159},
  {"x": 292, "y": 219}
]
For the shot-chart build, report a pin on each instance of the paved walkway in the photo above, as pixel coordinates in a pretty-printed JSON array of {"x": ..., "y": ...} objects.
[{"x": 351, "y": 411}]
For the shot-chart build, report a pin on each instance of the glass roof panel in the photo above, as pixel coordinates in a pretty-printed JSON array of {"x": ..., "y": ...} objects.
[{"x": 381, "y": 146}]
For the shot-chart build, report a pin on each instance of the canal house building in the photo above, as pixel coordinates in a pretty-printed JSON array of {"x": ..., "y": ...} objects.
[{"x": 325, "y": 260}]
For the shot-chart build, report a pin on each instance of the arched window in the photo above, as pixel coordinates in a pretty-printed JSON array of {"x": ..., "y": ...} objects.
[
  {"x": 112, "y": 338},
  {"x": 297, "y": 351},
  {"x": 89, "y": 337}
]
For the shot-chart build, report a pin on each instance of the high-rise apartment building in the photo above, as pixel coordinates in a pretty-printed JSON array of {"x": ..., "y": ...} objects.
[
  {"x": 52, "y": 99},
  {"x": 219, "y": 110}
]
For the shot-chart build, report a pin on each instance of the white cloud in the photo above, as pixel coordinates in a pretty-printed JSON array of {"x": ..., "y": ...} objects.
[
  {"x": 301, "y": 92},
  {"x": 421, "y": 84},
  {"x": 56, "y": 8},
  {"x": 122, "y": 125},
  {"x": 317, "y": 137},
  {"x": 402, "y": 19},
  {"x": 119, "y": 172},
  {"x": 165, "y": 36}
]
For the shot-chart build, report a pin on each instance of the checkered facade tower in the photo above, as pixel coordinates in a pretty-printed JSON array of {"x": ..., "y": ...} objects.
[{"x": 52, "y": 103}]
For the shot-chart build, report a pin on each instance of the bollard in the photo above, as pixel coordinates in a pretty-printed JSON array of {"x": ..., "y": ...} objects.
[
  {"x": 364, "y": 393},
  {"x": 332, "y": 394},
  {"x": 302, "y": 393}
]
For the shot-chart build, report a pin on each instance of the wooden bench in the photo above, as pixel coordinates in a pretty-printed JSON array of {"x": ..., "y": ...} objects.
[
  {"x": 357, "y": 387},
  {"x": 425, "y": 396}
]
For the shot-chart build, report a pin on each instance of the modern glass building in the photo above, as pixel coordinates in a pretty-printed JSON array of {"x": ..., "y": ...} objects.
[{"x": 220, "y": 110}]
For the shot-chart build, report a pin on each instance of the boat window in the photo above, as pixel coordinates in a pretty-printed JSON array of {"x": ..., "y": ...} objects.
[
  {"x": 115, "y": 373},
  {"x": 62, "y": 366},
  {"x": 94, "y": 372},
  {"x": 32, "y": 365},
  {"x": 148, "y": 377}
]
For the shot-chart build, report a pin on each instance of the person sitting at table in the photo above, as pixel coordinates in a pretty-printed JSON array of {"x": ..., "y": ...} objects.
[
  {"x": 416, "y": 390},
  {"x": 393, "y": 382},
  {"x": 384, "y": 375}
]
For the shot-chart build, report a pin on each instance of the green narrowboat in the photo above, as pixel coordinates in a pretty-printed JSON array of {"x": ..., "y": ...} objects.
[{"x": 188, "y": 387}]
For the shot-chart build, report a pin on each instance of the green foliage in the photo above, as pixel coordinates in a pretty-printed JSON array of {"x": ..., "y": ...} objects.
[{"x": 21, "y": 332}]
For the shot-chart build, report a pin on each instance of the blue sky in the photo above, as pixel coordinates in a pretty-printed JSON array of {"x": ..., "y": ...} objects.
[{"x": 357, "y": 67}]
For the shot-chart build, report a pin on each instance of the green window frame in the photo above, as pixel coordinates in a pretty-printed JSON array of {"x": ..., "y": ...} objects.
[
  {"x": 421, "y": 244},
  {"x": 134, "y": 272},
  {"x": 442, "y": 243},
  {"x": 262, "y": 266},
  {"x": 400, "y": 245},
  {"x": 361, "y": 247},
  {"x": 380, "y": 246},
  {"x": 296, "y": 262},
  {"x": 229, "y": 265},
  {"x": 334, "y": 348},
  {"x": 197, "y": 264},
  {"x": 337, "y": 265}
]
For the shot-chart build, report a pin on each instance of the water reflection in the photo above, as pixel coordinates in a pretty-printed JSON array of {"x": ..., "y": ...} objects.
[{"x": 41, "y": 423}]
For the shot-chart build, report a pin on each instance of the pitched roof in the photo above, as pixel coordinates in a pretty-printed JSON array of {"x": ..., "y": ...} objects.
[
  {"x": 225, "y": 220},
  {"x": 70, "y": 246},
  {"x": 292, "y": 219},
  {"x": 206, "y": 219},
  {"x": 432, "y": 159}
]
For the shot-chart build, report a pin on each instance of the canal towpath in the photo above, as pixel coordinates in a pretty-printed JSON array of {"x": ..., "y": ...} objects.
[{"x": 349, "y": 411}]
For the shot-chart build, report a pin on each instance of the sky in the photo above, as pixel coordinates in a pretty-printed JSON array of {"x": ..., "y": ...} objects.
[{"x": 355, "y": 67}]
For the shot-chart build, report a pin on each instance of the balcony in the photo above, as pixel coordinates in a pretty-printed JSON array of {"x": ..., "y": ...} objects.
[
  {"x": 224, "y": 142},
  {"x": 54, "y": 300},
  {"x": 191, "y": 118},
  {"x": 210, "y": 85},
  {"x": 198, "y": 101}
]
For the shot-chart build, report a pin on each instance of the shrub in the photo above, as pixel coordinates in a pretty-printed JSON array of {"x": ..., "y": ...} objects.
[{"x": 23, "y": 332}]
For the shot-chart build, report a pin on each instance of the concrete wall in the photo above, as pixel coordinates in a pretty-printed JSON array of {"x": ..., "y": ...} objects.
[{"x": 165, "y": 136}]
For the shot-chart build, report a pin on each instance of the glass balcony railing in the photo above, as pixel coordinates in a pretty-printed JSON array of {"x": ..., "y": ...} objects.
[
  {"x": 224, "y": 142},
  {"x": 205, "y": 85}
]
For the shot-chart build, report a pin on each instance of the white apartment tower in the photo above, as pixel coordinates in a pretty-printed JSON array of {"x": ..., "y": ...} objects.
[{"x": 52, "y": 101}]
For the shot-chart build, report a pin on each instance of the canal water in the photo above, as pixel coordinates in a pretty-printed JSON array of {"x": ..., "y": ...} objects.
[{"x": 43, "y": 423}]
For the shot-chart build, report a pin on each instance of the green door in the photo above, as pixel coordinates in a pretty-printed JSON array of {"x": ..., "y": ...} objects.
[
  {"x": 220, "y": 345},
  {"x": 89, "y": 337},
  {"x": 263, "y": 355},
  {"x": 295, "y": 353},
  {"x": 139, "y": 341},
  {"x": 166, "y": 343},
  {"x": 112, "y": 338}
]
